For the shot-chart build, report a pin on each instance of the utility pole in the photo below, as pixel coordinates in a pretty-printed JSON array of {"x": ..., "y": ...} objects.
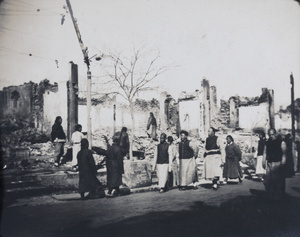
[
  {"x": 292, "y": 106},
  {"x": 87, "y": 62}
]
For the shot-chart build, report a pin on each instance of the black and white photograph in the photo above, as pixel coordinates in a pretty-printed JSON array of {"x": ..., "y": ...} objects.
[{"x": 149, "y": 118}]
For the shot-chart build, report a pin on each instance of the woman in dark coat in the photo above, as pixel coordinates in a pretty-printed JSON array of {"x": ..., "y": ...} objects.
[
  {"x": 88, "y": 181},
  {"x": 58, "y": 137},
  {"x": 124, "y": 142},
  {"x": 232, "y": 168},
  {"x": 114, "y": 166}
]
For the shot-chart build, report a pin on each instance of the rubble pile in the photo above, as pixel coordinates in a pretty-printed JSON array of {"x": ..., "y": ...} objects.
[
  {"x": 42, "y": 149},
  {"x": 18, "y": 132},
  {"x": 146, "y": 145}
]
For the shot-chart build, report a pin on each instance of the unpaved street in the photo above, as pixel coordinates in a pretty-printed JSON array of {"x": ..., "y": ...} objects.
[{"x": 233, "y": 210}]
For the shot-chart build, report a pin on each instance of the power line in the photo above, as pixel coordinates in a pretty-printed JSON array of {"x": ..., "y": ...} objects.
[
  {"x": 56, "y": 61},
  {"x": 37, "y": 7},
  {"x": 33, "y": 9},
  {"x": 22, "y": 32}
]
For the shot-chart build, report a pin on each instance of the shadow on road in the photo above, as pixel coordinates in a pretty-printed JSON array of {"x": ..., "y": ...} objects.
[{"x": 252, "y": 215}]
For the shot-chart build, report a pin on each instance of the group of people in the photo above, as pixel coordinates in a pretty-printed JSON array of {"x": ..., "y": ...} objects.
[
  {"x": 179, "y": 161},
  {"x": 85, "y": 163},
  {"x": 175, "y": 161},
  {"x": 274, "y": 161}
]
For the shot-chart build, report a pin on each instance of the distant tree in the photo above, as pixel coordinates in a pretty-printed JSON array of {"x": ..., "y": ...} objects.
[{"x": 132, "y": 76}]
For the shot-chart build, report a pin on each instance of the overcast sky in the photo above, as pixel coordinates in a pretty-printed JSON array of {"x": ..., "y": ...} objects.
[{"x": 240, "y": 46}]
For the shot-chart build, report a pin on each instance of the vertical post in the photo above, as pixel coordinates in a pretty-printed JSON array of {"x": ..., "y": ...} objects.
[
  {"x": 292, "y": 106},
  {"x": 72, "y": 99},
  {"x": 206, "y": 104},
  {"x": 88, "y": 104},
  {"x": 271, "y": 108},
  {"x": 87, "y": 62},
  {"x": 115, "y": 110}
]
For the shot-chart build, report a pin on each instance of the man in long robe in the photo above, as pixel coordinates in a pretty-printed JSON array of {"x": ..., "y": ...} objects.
[
  {"x": 114, "y": 166},
  {"x": 213, "y": 158},
  {"x": 188, "y": 152},
  {"x": 163, "y": 161},
  {"x": 273, "y": 161}
]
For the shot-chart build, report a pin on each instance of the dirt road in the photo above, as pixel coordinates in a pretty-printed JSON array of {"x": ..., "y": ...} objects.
[{"x": 233, "y": 210}]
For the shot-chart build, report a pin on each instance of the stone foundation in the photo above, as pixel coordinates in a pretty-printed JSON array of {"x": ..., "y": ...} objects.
[{"x": 137, "y": 174}]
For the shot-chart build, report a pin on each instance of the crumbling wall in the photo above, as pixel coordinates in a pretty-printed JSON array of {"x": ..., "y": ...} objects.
[
  {"x": 283, "y": 121},
  {"x": 189, "y": 116},
  {"x": 251, "y": 117},
  {"x": 103, "y": 113},
  {"x": 233, "y": 105},
  {"x": 17, "y": 101},
  {"x": 55, "y": 104},
  {"x": 224, "y": 114}
]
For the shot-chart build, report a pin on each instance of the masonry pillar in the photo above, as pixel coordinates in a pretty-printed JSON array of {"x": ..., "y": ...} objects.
[
  {"x": 72, "y": 85},
  {"x": 162, "y": 112},
  {"x": 233, "y": 110},
  {"x": 206, "y": 105},
  {"x": 271, "y": 108},
  {"x": 213, "y": 102}
]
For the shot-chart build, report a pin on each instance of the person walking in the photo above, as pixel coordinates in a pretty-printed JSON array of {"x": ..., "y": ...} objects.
[
  {"x": 88, "y": 181},
  {"x": 289, "y": 166},
  {"x": 58, "y": 138},
  {"x": 162, "y": 162},
  {"x": 232, "y": 168},
  {"x": 153, "y": 124},
  {"x": 175, "y": 161},
  {"x": 260, "y": 171},
  {"x": 274, "y": 160},
  {"x": 115, "y": 166},
  {"x": 188, "y": 152},
  {"x": 213, "y": 161},
  {"x": 76, "y": 138},
  {"x": 124, "y": 142}
]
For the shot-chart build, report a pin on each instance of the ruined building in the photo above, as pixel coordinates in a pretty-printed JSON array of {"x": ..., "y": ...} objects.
[
  {"x": 251, "y": 113},
  {"x": 193, "y": 112},
  {"x": 39, "y": 104}
]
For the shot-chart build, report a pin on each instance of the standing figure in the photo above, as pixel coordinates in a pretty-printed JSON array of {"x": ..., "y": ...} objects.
[
  {"x": 188, "y": 152},
  {"x": 212, "y": 158},
  {"x": 163, "y": 160},
  {"x": 298, "y": 155},
  {"x": 273, "y": 161},
  {"x": 232, "y": 168},
  {"x": 115, "y": 166},
  {"x": 77, "y": 136},
  {"x": 175, "y": 161},
  {"x": 289, "y": 166},
  {"x": 58, "y": 137},
  {"x": 153, "y": 124},
  {"x": 124, "y": 142},
  {"x": 260, "y": 171},
  {"x": 88, "y": 181}
]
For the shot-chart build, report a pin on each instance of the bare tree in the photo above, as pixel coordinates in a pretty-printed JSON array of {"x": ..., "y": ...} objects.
[{"x": 132, "y": 76}]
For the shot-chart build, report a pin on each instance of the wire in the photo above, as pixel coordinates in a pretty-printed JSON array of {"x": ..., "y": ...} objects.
[
  {"x": 22, "y": 32},
  {"x": 29, "y": 54},
  {"x": 36, "y": 10},
  {"x": 37, "y": 7}
]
